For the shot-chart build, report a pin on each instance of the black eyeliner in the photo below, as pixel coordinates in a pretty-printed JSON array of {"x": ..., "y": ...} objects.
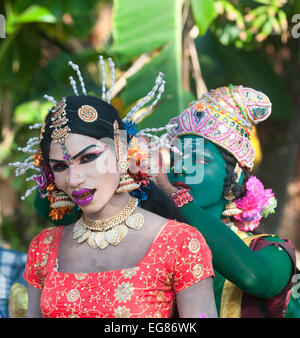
[{"x": 93, "y": 158}]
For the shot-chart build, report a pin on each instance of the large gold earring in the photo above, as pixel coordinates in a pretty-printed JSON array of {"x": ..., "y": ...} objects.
[
  {"x": 126, "y": 183},
  {"x": 231, "y": 209},
  {"x": 60, "y": 206}
]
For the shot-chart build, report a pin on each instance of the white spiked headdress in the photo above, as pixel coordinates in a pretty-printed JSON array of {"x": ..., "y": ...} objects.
[{"x": 131, "y": 118}]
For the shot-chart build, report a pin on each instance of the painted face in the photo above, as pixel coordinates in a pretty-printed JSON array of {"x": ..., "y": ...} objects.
[
  {"x": 92, "y": 178},
  {"x": 203, "y": 169}
]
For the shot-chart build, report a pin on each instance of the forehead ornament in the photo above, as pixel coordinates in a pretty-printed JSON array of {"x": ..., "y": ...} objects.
[
  {"x": 59, "y": 122},
  {"x": 61, "y": 129},
  {"x": 87, "y": 113}
]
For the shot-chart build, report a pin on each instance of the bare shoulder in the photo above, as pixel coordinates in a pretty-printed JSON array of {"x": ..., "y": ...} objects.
[{"x": 152, "y": 221}]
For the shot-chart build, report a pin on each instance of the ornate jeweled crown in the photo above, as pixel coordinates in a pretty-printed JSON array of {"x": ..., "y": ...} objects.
[{"x": 225, "y": 116}]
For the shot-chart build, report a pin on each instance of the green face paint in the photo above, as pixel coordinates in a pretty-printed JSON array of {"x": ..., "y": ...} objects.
[{"x": 208, "y": 190}]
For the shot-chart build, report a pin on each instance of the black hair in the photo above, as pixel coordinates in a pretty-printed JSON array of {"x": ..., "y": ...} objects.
[
  {"x": 158, "y": 202},
  {"x": 230, "y": 183},
  {"x": 238, "y": 190},
  {"x": 102, "y": 127}
]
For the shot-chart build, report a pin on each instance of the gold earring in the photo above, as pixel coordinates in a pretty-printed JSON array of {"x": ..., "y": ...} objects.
[
  {"x": 126, "y": 183},
  {"x": 231, "y": 209},
  {"x": 61, "y": 205}
]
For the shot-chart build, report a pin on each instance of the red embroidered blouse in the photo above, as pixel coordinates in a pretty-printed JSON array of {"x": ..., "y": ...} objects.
[{"x": 178, "y": 258}]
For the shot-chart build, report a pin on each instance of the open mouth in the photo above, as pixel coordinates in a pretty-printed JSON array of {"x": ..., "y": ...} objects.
[{"x": 83, "y": 196}]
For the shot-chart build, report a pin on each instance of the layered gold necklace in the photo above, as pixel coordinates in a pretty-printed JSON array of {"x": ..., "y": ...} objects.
[{"x": 100, "y": 233}]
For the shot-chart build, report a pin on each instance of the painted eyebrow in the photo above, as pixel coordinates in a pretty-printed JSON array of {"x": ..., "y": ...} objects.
[{"x": 77, "y": 155}]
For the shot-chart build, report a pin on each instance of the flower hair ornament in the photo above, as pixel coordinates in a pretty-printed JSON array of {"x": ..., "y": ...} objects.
[
  {"x": 256, "y": 204},
  {"x": 137, "y": 183}
]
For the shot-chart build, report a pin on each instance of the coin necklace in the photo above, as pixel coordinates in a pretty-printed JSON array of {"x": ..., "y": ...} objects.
[{"x": 101, "y": 233}]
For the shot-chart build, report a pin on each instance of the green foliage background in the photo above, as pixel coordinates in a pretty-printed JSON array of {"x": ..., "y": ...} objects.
[{"x": 242, "y": 42}]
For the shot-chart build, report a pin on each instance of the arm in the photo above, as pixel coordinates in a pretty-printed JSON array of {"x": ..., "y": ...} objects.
[
  {"x": 264, "y": 273},
  {"x": 34, "y": 301},
  {"x": 197, "y": 300}
]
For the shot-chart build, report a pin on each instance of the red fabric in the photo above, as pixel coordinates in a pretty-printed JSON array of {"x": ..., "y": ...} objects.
[{"x": 178, "y": 258}]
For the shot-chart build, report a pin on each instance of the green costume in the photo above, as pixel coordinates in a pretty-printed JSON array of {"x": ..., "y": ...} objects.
[
  {"x": 252, "y": 273},
  {"x": 263, "y": 274}
]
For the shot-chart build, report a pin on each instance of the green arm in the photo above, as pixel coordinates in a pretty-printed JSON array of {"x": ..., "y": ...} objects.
[{"x": 263, "y": 274}]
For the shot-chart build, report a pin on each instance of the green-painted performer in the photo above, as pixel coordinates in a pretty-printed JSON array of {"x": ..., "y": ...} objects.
[
  {"x": 253, "y": 272},
  {"x": 212, "y": 182}
]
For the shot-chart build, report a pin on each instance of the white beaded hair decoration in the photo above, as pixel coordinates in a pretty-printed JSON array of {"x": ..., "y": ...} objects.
[{"x": 154, "y": 94}]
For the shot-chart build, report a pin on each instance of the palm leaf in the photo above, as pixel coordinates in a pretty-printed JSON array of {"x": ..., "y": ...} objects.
[{"x": 142, "y": 27}]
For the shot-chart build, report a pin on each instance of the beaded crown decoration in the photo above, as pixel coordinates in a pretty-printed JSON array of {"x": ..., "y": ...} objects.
[
  {"x": 225, "y": 116},
  {"x": 87, "y": 114}
]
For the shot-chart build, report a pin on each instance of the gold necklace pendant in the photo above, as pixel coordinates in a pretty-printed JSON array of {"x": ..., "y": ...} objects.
[
  {"x": 115, "y": 235},
  {"x": 135, "y": 221},
  {"x": 101, "y": 233}
]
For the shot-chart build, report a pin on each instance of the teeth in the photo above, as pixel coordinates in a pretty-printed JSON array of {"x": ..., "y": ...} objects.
[{"x": 85, "y": 195}]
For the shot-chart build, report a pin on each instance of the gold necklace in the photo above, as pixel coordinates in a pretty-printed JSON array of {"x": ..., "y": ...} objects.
[
  {"x": 101, "y": 233},
  {"x": 110, "y": 222}
]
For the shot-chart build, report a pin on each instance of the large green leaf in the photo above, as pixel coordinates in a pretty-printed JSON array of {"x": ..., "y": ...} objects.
[
  {"x": 222, "y": 65},
  {"x": 31, "y": 112},
  {"x": 173, "y": 101},
  {"x": 33, "y": 13},
  {"x": 204, "y": 13},
  {"x": 142, "y": 27}
]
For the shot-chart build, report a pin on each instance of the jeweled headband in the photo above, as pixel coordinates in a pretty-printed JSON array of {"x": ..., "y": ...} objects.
[
  {"x": 225, "y": 116},
  {"x": 82, "y": 114}
]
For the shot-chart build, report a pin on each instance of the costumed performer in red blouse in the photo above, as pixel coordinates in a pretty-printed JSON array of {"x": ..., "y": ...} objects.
[{"x": 124, "y": 256}]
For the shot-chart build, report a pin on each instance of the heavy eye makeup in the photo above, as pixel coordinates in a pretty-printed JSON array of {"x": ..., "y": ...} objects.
[
  {"x": 59, "y": 166},
  {"x": 86, "y": 158}
]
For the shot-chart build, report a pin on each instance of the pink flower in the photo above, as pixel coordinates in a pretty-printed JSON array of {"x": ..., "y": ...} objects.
[
  {"x": 43, "y": 179},
  {"x": 252, "y": 204}
]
